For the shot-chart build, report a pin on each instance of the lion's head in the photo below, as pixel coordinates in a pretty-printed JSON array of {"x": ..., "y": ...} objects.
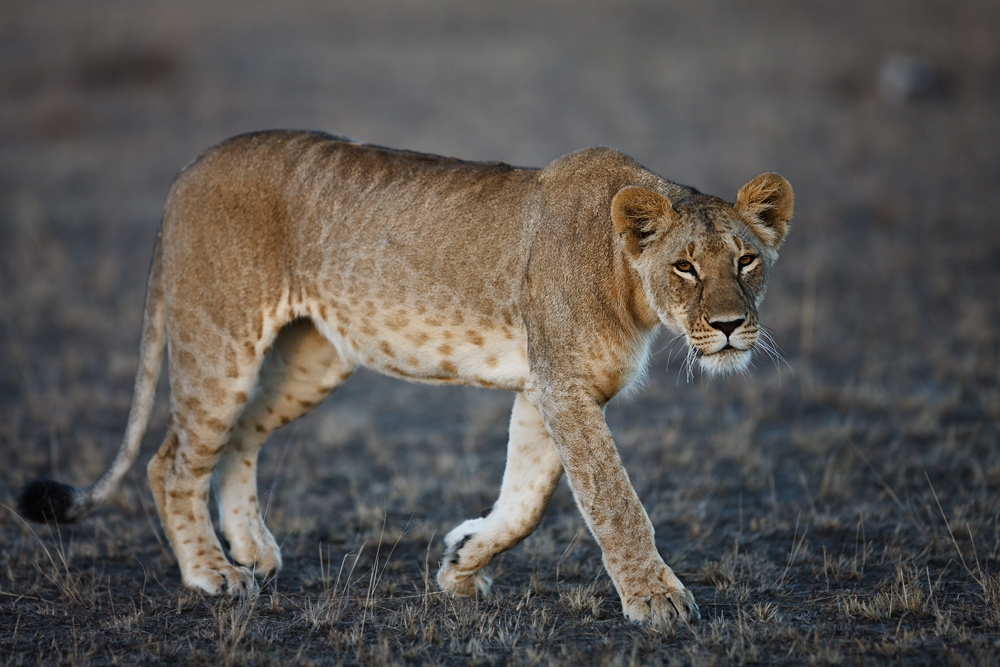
[{"x": 704, "y": 262}]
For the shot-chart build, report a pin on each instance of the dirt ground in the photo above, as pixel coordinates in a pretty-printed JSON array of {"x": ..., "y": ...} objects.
[{"x": 840, "y": 508}]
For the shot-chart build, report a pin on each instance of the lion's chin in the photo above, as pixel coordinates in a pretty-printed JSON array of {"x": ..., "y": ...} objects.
[{"x": 725, "y": 361}]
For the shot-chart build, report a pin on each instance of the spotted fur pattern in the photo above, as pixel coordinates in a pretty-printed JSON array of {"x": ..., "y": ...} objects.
[{"x": 286, "y": 260}]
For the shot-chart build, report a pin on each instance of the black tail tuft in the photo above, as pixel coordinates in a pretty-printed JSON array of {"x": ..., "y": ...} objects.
[{"x": 45, "y": 501}]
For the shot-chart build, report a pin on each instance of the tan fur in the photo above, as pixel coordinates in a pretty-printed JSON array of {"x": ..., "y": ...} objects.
[{"x": 286, "y": 260}]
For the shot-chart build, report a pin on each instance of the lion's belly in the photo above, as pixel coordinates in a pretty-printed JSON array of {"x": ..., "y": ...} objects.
[
  {"x": 498, "y": 363},
  {"x": 441, "y": 348}
]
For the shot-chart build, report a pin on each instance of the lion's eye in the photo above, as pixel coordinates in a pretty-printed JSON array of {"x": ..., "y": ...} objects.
[
  {"x": 747, "y": 260},
  {"x": 684, "y": 266}
]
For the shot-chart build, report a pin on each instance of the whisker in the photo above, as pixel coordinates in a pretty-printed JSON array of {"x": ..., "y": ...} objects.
[
  {"x": 670, "y": 343},
  {"x": 688, "y": 366},
  {"x": 670, "y": 358},
  {"x": 771, "y": 346},
  {"x": 673, "y": 348},
  {"x": 766, "y": 342},
  {"x": 681, "y": 368}
]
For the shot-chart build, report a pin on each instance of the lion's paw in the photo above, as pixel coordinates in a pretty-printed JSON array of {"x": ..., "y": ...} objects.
[
  {"x": 664, "y": 607},
  {"x": 463, "y": 584},
  {"x": 219, "y": 579},
  {"x": 451, "y": 578},
  {"x": 261, "y": 554}
]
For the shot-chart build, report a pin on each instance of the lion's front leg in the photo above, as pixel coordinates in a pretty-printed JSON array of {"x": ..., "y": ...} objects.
[
  {"x": 650, "y": 592},
  {"x": 529, "y": 479}
]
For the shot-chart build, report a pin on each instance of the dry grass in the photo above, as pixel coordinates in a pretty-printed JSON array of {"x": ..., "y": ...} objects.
[{"x": 842, "y": 511}]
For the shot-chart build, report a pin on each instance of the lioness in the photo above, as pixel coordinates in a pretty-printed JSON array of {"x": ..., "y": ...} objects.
[{"x": 286, "y": 260}]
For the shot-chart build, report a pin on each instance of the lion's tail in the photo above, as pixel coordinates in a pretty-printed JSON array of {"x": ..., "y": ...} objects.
[{"x": 45, "y": 500}]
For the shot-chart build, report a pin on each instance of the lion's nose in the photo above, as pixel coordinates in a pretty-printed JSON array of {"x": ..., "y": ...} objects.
[{"x": 727, "y": 326}]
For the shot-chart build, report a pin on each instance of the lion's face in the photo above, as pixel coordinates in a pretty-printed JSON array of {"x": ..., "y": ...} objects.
[{"x": 704, "y": 262}]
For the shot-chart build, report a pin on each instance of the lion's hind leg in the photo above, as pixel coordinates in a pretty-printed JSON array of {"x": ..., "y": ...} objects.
[
  {"x": 529, "y": 479},
  {"x": 300, "y": 369},
  {"x": 157, "y": 470},
  {"x": 205, "y": 403}
]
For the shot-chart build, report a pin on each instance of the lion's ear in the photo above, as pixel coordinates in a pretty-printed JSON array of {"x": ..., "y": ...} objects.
[
  {"x": 637, "y": 214},
  {"x": 767, "y": 203}
]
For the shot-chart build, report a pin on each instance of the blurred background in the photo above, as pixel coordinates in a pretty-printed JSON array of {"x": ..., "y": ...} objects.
[
  {"x": 882, "y": 421},
  {"x": 883, "y": 116}
]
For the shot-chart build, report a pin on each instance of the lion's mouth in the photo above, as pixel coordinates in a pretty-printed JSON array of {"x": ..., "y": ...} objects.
[
  {"x": 728, "y": 359},
  {"x": 728, "y": 348}
]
